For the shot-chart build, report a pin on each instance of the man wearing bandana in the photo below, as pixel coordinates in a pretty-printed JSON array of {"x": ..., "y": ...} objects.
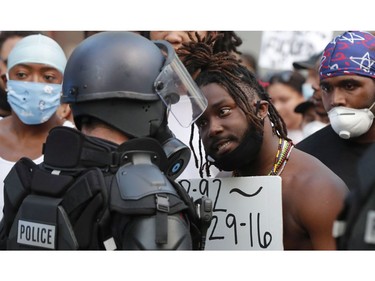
[
  {"x": 347, "y": 81},
  {"x": 34, "y": 80}
]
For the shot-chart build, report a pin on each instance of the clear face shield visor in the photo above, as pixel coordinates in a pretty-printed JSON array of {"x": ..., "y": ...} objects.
[{"x": 177, "y": 89}]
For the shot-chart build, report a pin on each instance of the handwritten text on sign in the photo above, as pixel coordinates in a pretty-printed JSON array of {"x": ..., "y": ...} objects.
[
  {"x": 247, "y": 211},
  {"x": 279, "y": 49}
]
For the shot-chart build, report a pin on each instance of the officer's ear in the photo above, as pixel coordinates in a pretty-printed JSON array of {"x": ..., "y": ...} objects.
[{"x": 261, "y": 108}]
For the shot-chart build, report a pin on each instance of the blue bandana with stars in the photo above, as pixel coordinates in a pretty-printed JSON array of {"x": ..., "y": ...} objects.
[{"x": 352, "y": 53}]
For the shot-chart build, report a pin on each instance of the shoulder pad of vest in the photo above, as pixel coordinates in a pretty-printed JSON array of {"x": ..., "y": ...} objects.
[
  {"x": 68, "y": 149},
  {"x": 137, "y": 181}
]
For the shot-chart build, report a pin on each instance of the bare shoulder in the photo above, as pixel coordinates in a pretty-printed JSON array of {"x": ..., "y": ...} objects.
[
  {"x": 313, "y": 197},
  {"x": 306, "y": 180},
  {"x": 310, "y": 173}
]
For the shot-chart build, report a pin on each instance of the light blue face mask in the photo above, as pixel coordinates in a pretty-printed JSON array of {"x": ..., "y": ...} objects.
[
  {"x": 34, "y": 103},
  {"x": 307, "y": 90}
]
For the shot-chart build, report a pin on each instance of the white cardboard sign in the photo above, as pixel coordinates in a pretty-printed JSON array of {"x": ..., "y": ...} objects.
[
  {"x": 279, "y": 49},
  {"x": 247, "y": 211}
]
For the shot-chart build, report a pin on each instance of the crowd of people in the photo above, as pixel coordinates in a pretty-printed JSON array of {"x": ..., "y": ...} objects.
[{"x": 313, "y": 128}]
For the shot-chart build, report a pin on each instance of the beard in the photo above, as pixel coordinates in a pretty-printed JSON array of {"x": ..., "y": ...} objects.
[{"x": 244, "y": 154}]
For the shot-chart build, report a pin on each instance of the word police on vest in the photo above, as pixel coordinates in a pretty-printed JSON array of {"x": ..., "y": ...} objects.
[{"x": 36, "y": 234}]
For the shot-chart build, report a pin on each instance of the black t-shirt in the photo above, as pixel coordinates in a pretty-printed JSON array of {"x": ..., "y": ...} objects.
[{"x": 352, "y": 162}]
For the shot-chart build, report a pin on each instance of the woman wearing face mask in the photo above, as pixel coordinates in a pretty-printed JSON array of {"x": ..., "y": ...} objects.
[{"x": 35, "y": 72}]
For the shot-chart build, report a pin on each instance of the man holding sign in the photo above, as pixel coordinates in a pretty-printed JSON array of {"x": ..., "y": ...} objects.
[{"x": 242, "y": 132}]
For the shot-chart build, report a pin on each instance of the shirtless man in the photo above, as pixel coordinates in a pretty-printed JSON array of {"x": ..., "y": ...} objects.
[{"x": 242, "y": 132}]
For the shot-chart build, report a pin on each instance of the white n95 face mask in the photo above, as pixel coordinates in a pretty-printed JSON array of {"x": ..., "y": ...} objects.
[{"x": 350, "y": 122}]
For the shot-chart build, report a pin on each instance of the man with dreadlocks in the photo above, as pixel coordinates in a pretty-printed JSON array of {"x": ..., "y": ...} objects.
[
  {"x": 242, "y": 132},
  {"x": 227, "y": 41}
]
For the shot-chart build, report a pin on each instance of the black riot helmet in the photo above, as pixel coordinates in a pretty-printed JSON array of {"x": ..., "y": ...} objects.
[
  {"x": 128, "y": 82},
  {"x": 132, "y": 84}
]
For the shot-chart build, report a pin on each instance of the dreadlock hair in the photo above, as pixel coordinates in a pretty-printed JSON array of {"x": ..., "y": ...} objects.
[
  {"x": 208, "y": 67},
  {"x": 227, "y": 42}
]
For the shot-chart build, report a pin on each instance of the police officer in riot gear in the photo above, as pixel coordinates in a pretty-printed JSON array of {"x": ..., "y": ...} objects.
[
  {"x": 121, "y": 88},
  {"x": 130, "y": 84}
]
